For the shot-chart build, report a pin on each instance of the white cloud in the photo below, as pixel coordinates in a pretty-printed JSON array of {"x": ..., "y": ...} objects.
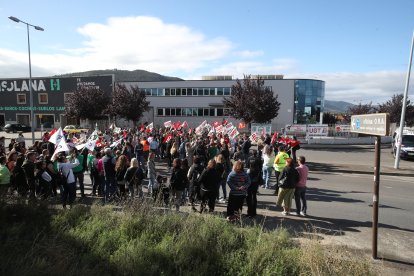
[
  {"x": 375, "y": 87},
  {"x": 248, "y": 54},
  {"x": 127, "y": 43}
]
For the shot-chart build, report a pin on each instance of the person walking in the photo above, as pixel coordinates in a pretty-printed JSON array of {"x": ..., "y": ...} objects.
[
  {"x": 287, "y": 184},
  {"x": 268, "y": 160},
  {"x": 238, "y": 182},
  {"x": 133, "y": 178},
  {"x": 300, "y": 191},
  {"x": 209, "y": 181},
  {"x": 178, "y": 182},
  {"x": 279, "y": 165},
  {"x": 108, "y": 162},
  {"x": 193, "y": 176},
  {"x": 68, "y": 189},
  {"x": 152, "y": 173}
]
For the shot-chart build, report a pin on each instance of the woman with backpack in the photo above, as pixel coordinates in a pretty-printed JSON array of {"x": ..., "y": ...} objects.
[
  {"x": 133, "y": 178},
  {"x": 193, "y": 176},
  {"x": 209, "y": 181}
]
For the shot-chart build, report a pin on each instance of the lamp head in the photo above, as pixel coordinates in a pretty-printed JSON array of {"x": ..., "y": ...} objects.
[
  {"x": 39, "y": 28},
  {"x": 15, "y": 19}
]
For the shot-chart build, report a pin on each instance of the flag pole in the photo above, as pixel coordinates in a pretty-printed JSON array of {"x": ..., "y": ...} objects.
[{"x": 404, "y": 107}]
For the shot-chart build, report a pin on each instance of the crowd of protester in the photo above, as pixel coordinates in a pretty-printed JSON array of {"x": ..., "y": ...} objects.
[{"x": 200, "y": 169}]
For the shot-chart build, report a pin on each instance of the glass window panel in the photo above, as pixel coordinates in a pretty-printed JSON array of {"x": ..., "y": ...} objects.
[
  {"x": 154, "y": 91},
  {"x": 189, "y": 92},
  {"x": 178, "y": 112},
  {"x": 42, "y": 98},
  {"x": 172, "y": 111},
  {"x": 206, "y": 111},
  {"x": 219, "y": 111},
  {"x": 212, "y": 91},
  {"x": 167, "y": 112},
  {"x": 147, "y": 91},
  {"x": 160, "y": 92},
  {"x": 212, "y": 113},
  {"x": 21, "y": 98},
  {"x": 200, "y": 112},
  {"x": 178, "y": 91},
  {"x": 226, "y": 91},
  {"x": 219, "y": 91},
  {"x": 172, "y": 91},
  {"x": 184, "y": 91},
  {"x": 200, "y": 91},
  {"x": 206, "y": 91},
  {"x": 160, "y": 112},
  {"x": 195, "y": 111},
  {"x": 167, "y": 92}
]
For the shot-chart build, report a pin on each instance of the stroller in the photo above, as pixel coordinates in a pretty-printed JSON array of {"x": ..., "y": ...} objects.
[{"x": 161, "y": 191}]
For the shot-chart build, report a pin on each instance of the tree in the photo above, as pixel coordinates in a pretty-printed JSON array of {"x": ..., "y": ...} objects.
[
  {"x": 87, "y": 103},
  {"x": 329, "y": 118},
  {"x": 361, "y": 109},
  {"x": 251, "y": 101},
  {"x": 129, "y": 104},
  {"x": 394, "y": 108}
]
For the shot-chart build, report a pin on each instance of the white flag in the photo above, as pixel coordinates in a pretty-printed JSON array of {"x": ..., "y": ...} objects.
[
  {"x": 94, "y": 136},
  {"x": 61, "y": 147},
  {"x": 168, "y": 124},
  {"x": 90, "y": 145},
  {"x": 116, "y": 143},
  {"x": 57, "y": 136}
]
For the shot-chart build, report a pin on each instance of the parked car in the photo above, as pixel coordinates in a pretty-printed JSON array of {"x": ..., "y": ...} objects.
[
  {"x": 74, "y": 129},
  {"x": 407, "y": 143},
  {"x": 17, "y": 127}
]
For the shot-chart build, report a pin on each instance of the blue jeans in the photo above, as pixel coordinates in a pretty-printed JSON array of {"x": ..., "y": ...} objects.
[
  {"x": 141, "y": 161},
  {"x": 300, "y": 195},
  {"x": 110, "y": 187},
  {"x": 151, "y": 182},
  {"x": 68, "y": 192},
  {"x": 267, "y": 173}
]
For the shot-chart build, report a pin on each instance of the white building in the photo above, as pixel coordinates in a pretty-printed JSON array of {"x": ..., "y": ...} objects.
[{"x": 302, "y": 101}]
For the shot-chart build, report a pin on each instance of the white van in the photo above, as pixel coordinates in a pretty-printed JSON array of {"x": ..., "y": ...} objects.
[{"x": 407, "y": 143}]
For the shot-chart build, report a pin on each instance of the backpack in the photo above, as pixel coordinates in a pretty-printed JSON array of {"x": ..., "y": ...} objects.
[{"x": 195, "y": 176}]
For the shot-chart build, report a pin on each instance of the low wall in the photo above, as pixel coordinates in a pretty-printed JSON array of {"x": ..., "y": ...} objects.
[{"x": 346, "y": 141}]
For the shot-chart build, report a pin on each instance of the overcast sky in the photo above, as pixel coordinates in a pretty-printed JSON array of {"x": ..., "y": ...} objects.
[{"x": 359, "y": 48}]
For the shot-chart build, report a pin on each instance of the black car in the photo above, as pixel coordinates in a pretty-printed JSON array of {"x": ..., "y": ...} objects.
[{"x": 17, "y": 127}]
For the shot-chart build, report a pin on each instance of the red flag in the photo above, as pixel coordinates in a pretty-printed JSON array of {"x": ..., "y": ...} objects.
[
  {"x": 52, "y": 132},
  {"x": 167, "y": 138},
  {"x": 177, "y": 125},
  {"x": 274, "y": 137},
  {"x": 142, "y": 127},
  {"x": 125, "y": 134},
  {"x": 215, "y": 124},
  {"x": 98, "y": 143},
  {"x": 184, "y": 124},
  {"x": 224, "y": 122},
  {"x": 190, "y": 131}
]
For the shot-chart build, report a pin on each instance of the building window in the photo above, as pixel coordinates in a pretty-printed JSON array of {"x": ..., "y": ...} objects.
[
  {"x": 219, "y": 111},
  {"x": 167, "y": 91},
  {"x": 160, "y": 112},
  {"x": 178, "y": 112},
  {"x": 226, "y": 91},
  {"x": 184, "y": 91},
  {"x": 219, "y": 91},
  {"x": 167, "y": 112},
  {"x": 43, "y": 99},
  {"x": 212, "y": 91},
  {"x": 200, "y": 91},
  {"x": 21, "y": 98},
  {"x": 189, "y": 91},
  {"x": 178, "y": 91},
  {"x": 66, "y": 95},
  {"x": 172, "y": 111},
  {"x": 200, "y": 112},
  {"x": 212, "y": 112},
  {"x": 172, "y": 91}
]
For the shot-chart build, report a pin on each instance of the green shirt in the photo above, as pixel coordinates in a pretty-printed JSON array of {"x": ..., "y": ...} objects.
[
  {"x": 4, "y": 175},
  {"x": 79, "y": 168}
]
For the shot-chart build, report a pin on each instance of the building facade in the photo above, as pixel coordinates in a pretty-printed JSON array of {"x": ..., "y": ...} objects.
[
  {"x": 302, "y": 100},
  {"x": 49, "y": 95}
]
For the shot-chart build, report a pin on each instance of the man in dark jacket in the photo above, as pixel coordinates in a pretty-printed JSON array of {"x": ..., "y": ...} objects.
[
  {"x": 193, "y": 176},
  {"x": 178, "y": 182},
  {"x": 109, "y": 173},
  {"x": 209, "y": 181},
  {"x": 29, "y": 171}
]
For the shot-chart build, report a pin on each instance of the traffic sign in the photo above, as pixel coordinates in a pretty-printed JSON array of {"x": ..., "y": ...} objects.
[{"x": 377, "y": 124}]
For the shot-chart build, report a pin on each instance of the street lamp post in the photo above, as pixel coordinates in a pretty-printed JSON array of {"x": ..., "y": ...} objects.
[{"x": 15, "y": 19}]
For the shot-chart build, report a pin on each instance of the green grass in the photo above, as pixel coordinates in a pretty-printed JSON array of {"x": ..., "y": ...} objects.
[{"x": 38, "y": 240}]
